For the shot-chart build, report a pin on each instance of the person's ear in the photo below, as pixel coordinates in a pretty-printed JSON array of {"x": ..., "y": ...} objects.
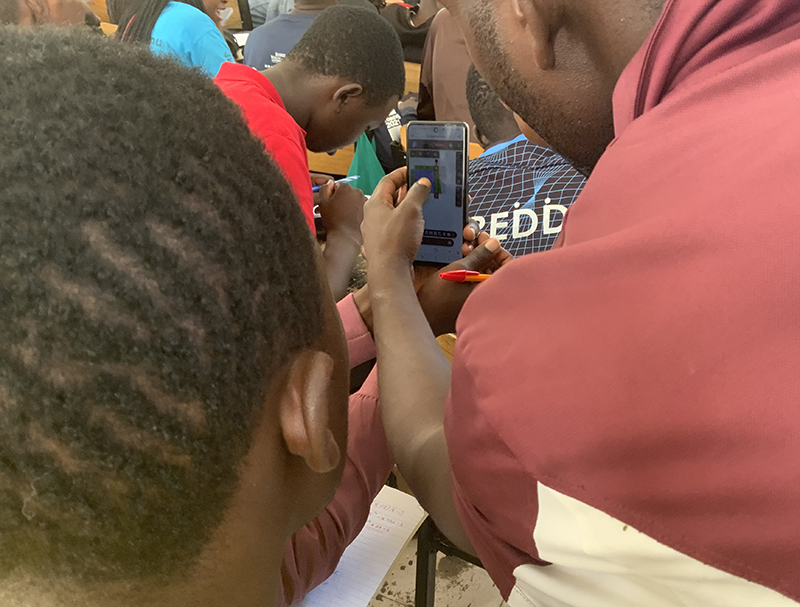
[
  {"x": 304, "y": 414},
  {"x": 537, "y": 18},
  {"x": 39, "y": 10},
  {"x": 345, "y": 93}
]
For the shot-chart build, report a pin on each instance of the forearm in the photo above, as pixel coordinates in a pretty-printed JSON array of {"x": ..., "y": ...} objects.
[
  {"x": 425, "y": 109},
  {"x": 414, "y": 383},
  {"x": 341, "y": 251}
]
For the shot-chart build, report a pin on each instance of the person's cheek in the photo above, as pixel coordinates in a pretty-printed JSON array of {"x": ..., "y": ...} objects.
[{"x": 70, "y": 12}]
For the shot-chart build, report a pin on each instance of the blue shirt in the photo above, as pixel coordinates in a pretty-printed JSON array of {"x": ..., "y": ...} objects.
[
  {"x": 268, "y": 44},
  {"x": 190, "y": 36},
  {"x": 520, "y": 193}
]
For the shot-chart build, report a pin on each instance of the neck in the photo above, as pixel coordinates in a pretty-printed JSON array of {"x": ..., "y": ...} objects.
[
  {"x": 296, "y": 90},
  {"x": 241, "y": 564},
  {"x": 614, "y": 32},
  {"x": 534, "y": 138},
  {"x": 311, "y": 7},
  {"x": 502, "y": 138}
]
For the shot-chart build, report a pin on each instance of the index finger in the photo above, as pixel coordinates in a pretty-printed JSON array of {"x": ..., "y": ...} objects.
[
  {"x": 388, "y": 187},
  {"x": 396, "y": 178},
  {"x": 320, "y": 178},
  {"x": 416, "y": 196}
]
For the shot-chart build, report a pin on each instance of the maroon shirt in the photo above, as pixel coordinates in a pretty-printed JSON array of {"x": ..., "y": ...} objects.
[{"x": 648, "y": 368}]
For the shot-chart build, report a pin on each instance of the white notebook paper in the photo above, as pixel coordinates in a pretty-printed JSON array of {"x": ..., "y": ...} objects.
[{"x": 393, "y": 519}]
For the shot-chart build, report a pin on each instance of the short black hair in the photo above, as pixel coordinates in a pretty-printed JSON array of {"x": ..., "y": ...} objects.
[
  {"x": 357, "y": 44},
  {"x": 146, "y": 304},
  {"x": 491, "y": 118},
  {"x": 9, "y": 12},
  {"x": 117, "y": 8},
  {"x": 137, "y": 18}
]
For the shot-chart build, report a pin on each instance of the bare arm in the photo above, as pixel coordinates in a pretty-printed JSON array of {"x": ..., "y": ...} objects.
[
  {"x": 339, "y": 257},
  {"x": 414, "y": 373},
  {"x": 342, "y": 209}
]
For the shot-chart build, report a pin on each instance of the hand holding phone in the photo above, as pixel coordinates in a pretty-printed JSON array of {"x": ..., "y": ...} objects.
[
  {"x": 438, "y": 151},
  {"x": 393, "y": 225}
]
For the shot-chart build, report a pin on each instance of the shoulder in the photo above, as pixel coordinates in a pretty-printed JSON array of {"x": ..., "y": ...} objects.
[
  {"x": 180, "y": 12},
  {"x": 264, "y": 28},
  {"x": 267, "y": 119},
  {"x": 264, "y": 34},
  {"x": 181, "y": 19}
]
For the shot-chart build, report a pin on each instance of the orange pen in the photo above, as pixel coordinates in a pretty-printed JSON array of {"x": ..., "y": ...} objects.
[{"x": 464, "y": 276}]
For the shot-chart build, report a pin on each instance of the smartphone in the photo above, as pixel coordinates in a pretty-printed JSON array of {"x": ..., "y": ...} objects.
[{"x": 439, "y": 151}]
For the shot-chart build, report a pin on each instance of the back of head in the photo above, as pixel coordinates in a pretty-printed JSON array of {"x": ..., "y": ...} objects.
[
  {"x": 145, "y": 306},
  {"x": 357, "y": 44},
  {"x": 494, "y": 122}
]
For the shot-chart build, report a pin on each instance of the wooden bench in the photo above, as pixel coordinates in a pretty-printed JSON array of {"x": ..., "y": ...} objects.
[{"x": 335, "y": 165}]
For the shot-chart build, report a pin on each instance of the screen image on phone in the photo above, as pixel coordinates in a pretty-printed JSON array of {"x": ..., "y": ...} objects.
[{"x": 438, "y": 151}]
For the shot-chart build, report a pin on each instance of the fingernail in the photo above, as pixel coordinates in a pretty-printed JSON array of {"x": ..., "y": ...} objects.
[
  {"x": 424, "y": 181},
  {"x": 492, "y": 245}
]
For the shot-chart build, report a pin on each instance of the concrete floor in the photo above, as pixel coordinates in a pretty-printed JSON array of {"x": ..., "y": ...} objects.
[{"x": 458, "y": 583}]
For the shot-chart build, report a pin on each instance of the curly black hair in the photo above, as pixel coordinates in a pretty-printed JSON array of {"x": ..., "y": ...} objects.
[
  {"x": 357, "y": 44},
  {"x": 491, "y": 118},
  {"x": 145, "y": 306},
  {"x": 117, "y": 8}
]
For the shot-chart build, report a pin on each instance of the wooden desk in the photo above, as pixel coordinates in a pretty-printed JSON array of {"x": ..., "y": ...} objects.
[
  {"x": 234, "y": 22},
  {"x": 447, "y": 343},
  {"x": 109, "y": 29},
  {"x": 475, "y": 150},
  {"x": 412, "y": 77},
  {"x": 338, "y": 164},
  {"x": 99, "y": 8}
]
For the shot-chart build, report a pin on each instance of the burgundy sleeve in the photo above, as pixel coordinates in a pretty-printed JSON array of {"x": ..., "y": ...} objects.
[{"x": 311, "y": 554}]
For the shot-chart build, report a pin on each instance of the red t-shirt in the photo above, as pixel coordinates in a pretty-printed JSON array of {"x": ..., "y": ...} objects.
[{"x": 268, "y": 119}]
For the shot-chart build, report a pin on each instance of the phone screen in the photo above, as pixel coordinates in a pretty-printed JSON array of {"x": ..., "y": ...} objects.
[{"x": 437, "y": 151}]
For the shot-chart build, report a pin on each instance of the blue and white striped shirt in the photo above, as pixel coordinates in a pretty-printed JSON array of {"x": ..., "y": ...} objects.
[{"x": 520, "y": 192}]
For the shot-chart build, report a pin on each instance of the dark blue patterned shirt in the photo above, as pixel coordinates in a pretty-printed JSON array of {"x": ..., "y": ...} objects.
[{"x": 520, "y": 192}]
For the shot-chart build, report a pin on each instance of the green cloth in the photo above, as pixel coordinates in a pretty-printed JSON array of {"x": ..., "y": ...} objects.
[{"x": 365, "y": 164}]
